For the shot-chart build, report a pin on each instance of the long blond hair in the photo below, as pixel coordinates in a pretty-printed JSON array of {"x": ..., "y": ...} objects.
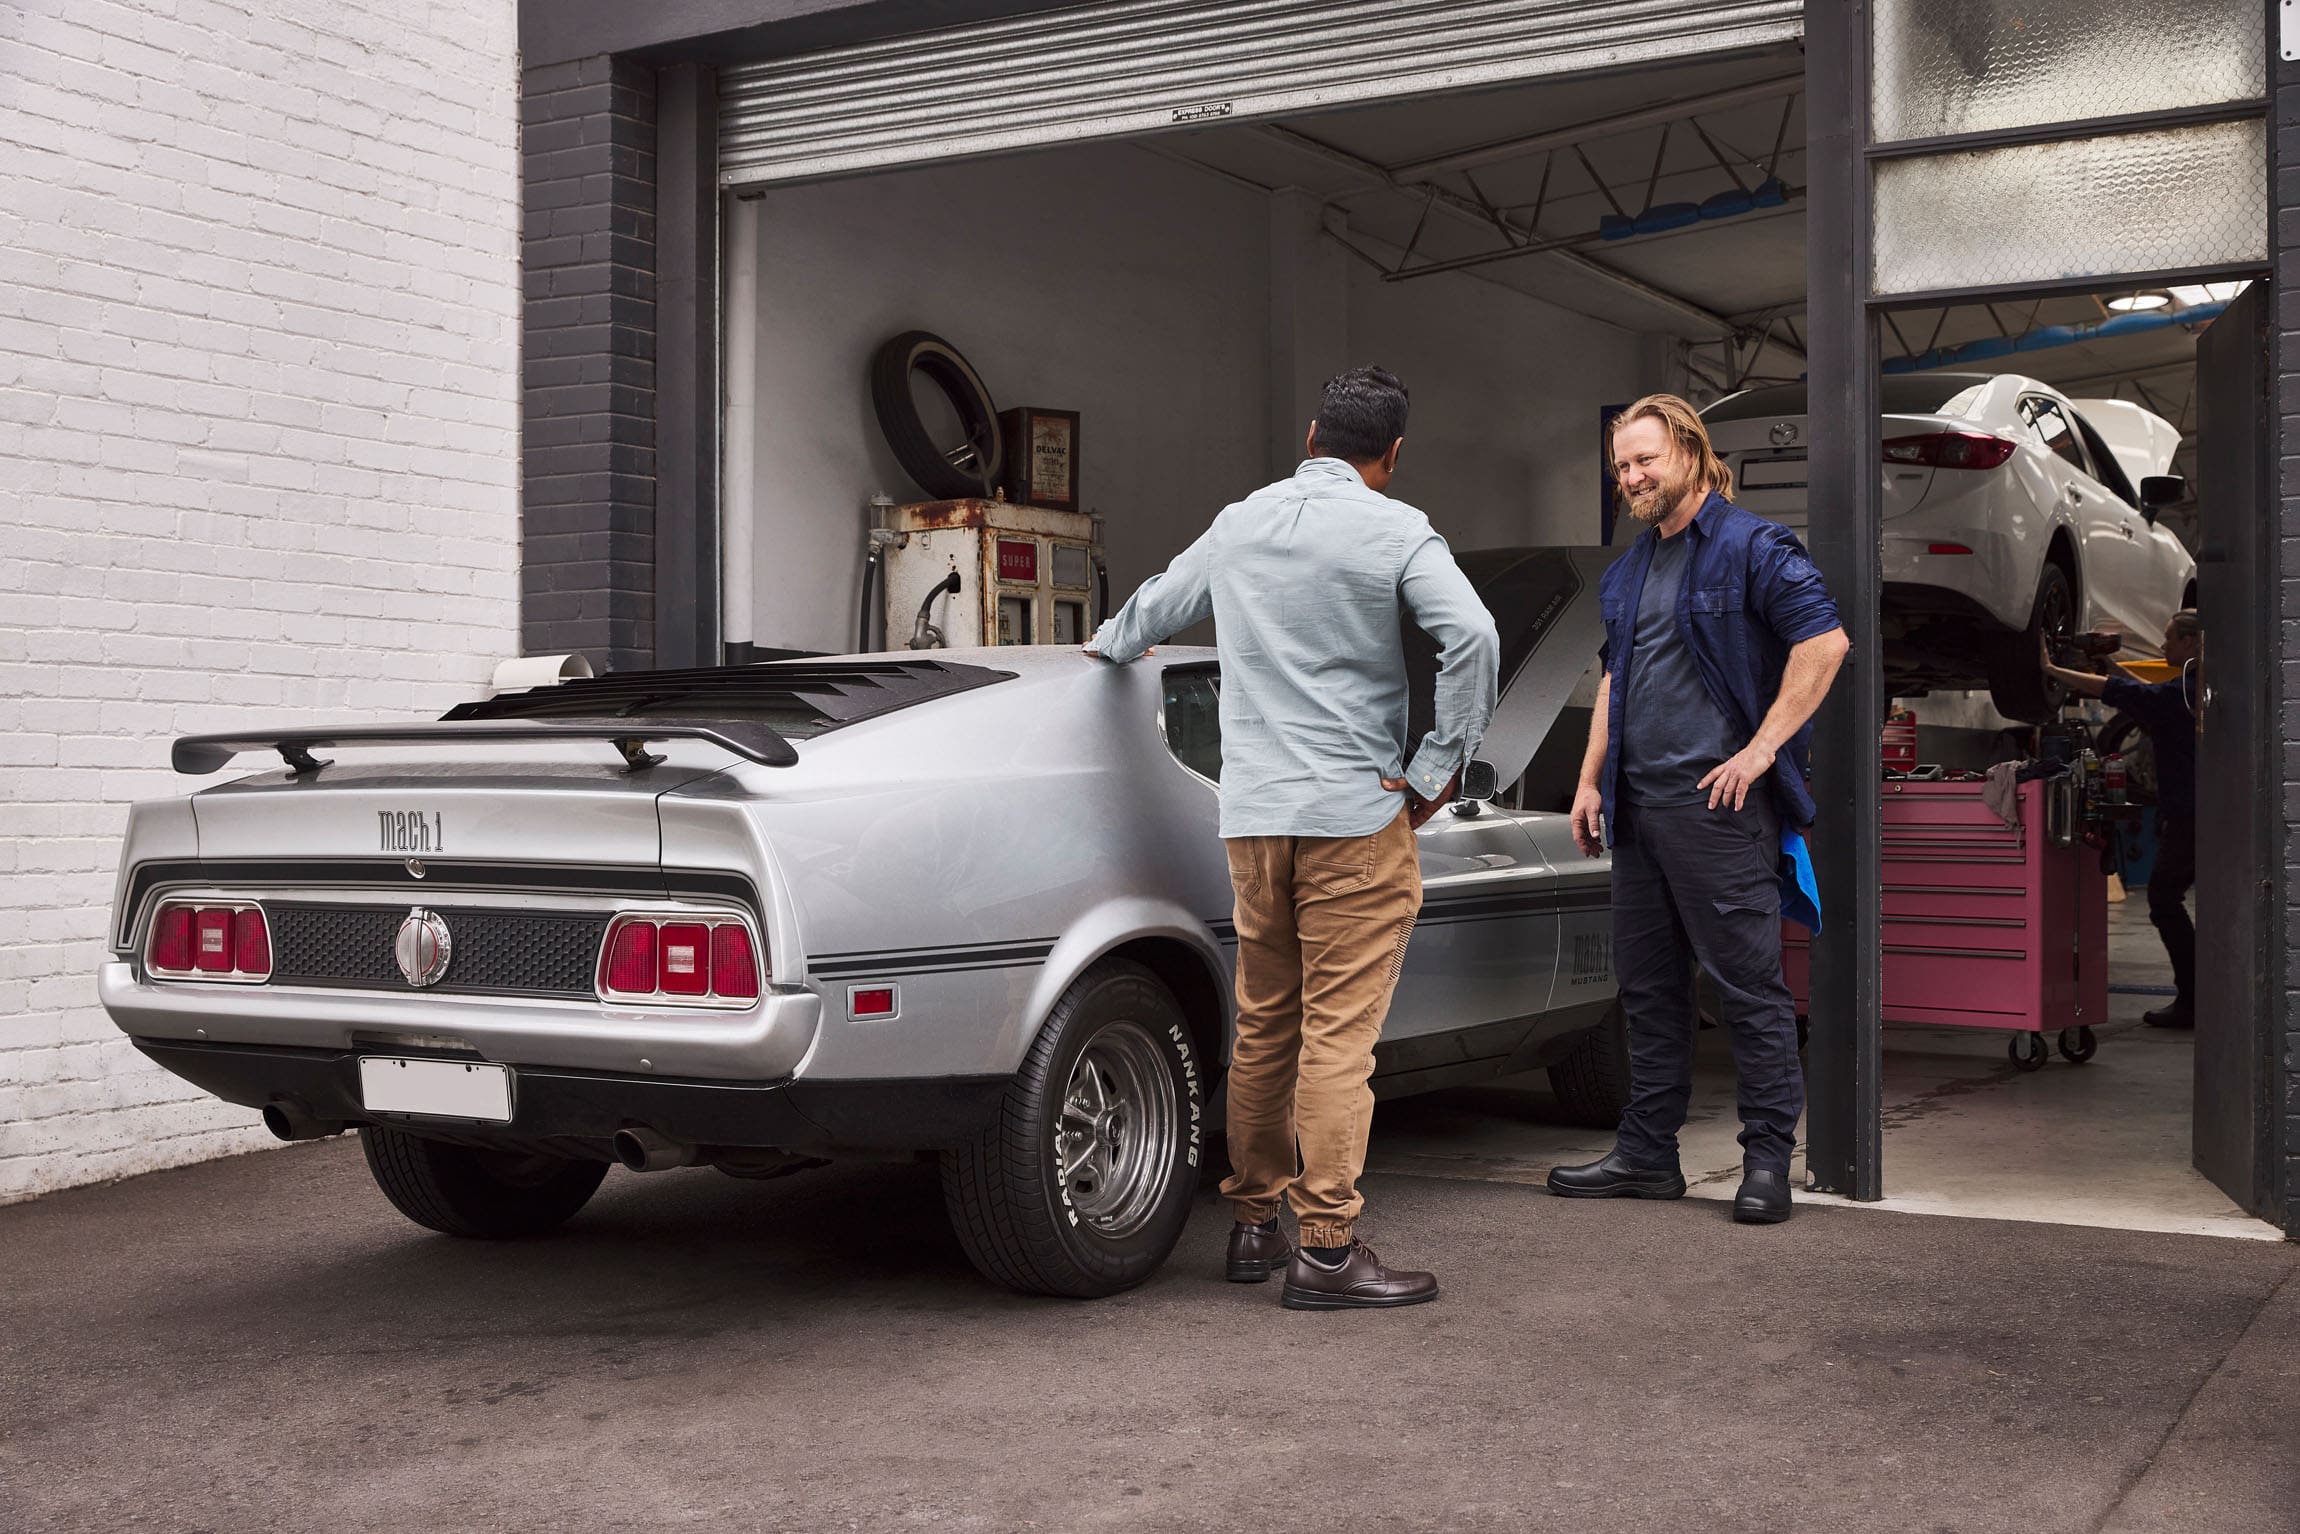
[{"x": 1684, "y": 426}]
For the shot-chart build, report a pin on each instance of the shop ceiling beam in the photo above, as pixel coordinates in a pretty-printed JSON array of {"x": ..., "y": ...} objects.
[
  {"x": 1463, "y": 209},
  {"x": 1578, "y": 241},
  {"x": 1658, "y": 115}
]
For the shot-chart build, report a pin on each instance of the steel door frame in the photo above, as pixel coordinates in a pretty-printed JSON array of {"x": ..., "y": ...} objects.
[{"x": 1844, "y": 1061}]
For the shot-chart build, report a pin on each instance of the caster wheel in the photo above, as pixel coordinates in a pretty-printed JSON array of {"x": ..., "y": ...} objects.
[
  {"x": 2029, "y": 1051},
  {"x": 2077, "y": 1045}
]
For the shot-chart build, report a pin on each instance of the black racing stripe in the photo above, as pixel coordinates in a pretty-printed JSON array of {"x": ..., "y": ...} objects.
[
  {"x": 1538, "y": 902},
  {"x": 946, "y": 950},
  {"x": 921, "y": 962}
]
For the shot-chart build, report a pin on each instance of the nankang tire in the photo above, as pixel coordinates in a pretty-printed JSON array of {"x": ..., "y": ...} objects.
[
  {"x": 1592, "y": 1083},
  {"x": 1081, "y": 1184},
  {"x": 484, "y": 1194},
  {"x": 945, "y": 471}
]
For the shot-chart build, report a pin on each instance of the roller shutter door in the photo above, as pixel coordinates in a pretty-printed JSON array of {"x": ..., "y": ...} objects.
[{"x": 1139, "y": 66}]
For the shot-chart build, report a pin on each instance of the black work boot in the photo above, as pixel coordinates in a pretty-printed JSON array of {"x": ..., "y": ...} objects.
[
  {"x": 1256, "y": 1252},
  {"x": 1763, "y": 1199},
  {"x": 1613, "y": 1177}
]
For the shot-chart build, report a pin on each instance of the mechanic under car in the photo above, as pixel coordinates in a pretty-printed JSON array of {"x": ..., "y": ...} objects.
[{"x": 2165, "y": 711}]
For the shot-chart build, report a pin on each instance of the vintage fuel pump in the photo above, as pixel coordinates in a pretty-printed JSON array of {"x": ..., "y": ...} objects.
[{"x": 988, "y": 572}]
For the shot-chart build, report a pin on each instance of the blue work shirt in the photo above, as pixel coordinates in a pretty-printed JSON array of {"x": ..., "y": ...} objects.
[
  {"x": 1308, "y": 582},
  {"x": 2162, "y": 709},
  {"x": 1750, "y": 593}
]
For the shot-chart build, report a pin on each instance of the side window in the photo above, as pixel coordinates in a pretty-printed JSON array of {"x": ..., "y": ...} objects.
[
  {"x": 2053, "y": 430},
  {"x": 1193, "y": 720}
]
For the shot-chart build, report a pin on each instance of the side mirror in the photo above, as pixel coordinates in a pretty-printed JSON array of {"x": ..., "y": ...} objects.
[
  {"x": 2158, "y": 491},
  {"x": 1477, "y": 781}
]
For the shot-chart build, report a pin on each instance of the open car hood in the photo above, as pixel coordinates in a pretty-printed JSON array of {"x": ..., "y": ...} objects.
[{"x": 1544, "y": 606}]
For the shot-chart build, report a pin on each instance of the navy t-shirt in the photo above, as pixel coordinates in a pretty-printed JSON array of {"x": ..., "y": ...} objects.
[
  {"x": 2162, "y": 709},
  {"x": 1672, "y": 730}
]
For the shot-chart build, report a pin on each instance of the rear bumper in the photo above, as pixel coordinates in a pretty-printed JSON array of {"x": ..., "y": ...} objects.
[
  {"x": 765, "y": 1042},
  {"x": 1995, "y": 583},
  {"x": 556, "y": 1104}
]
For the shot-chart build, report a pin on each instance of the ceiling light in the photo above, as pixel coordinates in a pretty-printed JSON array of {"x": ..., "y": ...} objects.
[
  {"x": 2132, "y": 301},
  {"x": 2189, "y": 295}
]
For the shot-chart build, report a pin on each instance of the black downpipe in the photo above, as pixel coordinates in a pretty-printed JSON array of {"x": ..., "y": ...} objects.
[{"x": 869, "y": 586}]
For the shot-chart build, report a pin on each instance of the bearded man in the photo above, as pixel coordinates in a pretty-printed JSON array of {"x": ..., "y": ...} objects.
[{"x": 1720, "y": 642}]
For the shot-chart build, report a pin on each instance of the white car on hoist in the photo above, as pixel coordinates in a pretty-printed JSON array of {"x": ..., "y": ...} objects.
[{"x": 2010, "y": 511}]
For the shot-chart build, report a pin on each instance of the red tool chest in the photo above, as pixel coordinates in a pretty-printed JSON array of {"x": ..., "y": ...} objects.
[{"x": 1985, "y": 925}]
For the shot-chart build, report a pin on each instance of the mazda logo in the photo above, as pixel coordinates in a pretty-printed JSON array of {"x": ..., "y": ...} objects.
[
  {"x": 1783, "y": 433},
  {"x": 423, "y": 947}
]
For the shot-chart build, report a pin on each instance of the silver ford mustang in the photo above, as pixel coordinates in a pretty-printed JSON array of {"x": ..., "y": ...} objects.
[{"x": 960, "y": 904}]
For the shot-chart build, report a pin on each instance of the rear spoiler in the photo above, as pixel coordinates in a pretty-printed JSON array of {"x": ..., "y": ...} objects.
[{"x": 745, "y": 738}]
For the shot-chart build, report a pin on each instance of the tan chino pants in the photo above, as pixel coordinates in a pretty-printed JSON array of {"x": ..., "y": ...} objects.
[{"x": 1322, "y": 930}]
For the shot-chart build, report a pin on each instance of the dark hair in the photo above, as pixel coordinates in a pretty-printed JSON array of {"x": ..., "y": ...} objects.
[
  {"x": 2186, "y": 623},
  {"x": 1362, "y": 413}
]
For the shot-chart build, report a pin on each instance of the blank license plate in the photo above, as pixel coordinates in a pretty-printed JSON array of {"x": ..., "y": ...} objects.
[
  {"x": 441, "y": 1089},
  {"x": 1773, "y": 473}
]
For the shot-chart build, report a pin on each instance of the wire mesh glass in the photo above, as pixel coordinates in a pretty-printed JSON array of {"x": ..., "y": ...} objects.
[
  {"x": 1971, "y": 66},
  {"x": 2096, "y": 207}
]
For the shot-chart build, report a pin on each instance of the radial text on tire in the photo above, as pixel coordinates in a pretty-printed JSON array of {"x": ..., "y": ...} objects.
[
  {"x": 487, "y": 1194},
  {"x": 1081, "y": 1184}
]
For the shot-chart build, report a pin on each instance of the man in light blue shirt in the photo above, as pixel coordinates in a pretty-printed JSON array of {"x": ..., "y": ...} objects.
[{"x": 1309, "y": 582}]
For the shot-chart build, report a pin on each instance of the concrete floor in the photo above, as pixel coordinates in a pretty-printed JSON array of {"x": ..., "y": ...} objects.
[
  {"x": 261, "y": 1343},
  {"x": 1966, "y": 1133}
]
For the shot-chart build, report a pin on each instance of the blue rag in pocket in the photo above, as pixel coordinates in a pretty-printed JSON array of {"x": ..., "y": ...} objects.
[{"x": 1800, "y": 892}]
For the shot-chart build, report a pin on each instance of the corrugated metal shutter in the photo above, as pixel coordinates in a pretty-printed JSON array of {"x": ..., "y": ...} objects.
[{"x": 1137, "y": 66}]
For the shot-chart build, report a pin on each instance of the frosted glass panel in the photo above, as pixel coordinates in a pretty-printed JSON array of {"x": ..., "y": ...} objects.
[
  {"x": 1970, "y": 66},
  {"x": 2099, "y": 207}
]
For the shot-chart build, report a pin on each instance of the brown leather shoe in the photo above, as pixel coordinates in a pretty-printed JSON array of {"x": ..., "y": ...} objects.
[
  {"x": 1361, "y": 1282},
  {"x": 1256, "y": 1252}
]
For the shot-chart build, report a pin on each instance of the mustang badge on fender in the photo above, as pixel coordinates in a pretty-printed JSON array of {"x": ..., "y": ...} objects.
[{"x": 423, "y": 947}]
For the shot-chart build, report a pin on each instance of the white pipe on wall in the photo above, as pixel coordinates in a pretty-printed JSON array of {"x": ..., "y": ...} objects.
[{"x": 738, "y": 431}]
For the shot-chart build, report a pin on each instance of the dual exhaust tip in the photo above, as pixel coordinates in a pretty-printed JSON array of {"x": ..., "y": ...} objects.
[{"x": 640, "y": 1149}]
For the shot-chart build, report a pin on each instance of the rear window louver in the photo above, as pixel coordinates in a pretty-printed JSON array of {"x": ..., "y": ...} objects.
[{"x": 812, "y": 697}]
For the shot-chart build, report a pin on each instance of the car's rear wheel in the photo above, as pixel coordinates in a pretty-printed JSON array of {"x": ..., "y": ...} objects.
[
  {"x": 1081, "y": 1184},
  {"x": 1592, "y": 1083},
  {"x": 2018, "y": 687},
  {"x": 464, "y": 1191}
]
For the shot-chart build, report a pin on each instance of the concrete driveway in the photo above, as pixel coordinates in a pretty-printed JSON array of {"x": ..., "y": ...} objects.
[{"x": 262, "y": 1344}]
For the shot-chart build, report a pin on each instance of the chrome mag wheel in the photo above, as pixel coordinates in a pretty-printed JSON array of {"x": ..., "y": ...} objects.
[{"x": 1116, "y": 1137}]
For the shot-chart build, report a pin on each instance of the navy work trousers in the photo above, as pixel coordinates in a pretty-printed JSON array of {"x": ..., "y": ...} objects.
[{"x": 1695, "y": 884}]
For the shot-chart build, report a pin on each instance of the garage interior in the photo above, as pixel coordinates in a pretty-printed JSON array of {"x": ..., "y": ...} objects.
[{"x": 1525, "y": 257}]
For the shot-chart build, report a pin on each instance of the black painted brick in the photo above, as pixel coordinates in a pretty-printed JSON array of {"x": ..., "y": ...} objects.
[
  {"x": 2286, "y": 677},
  {"x": 588, "y": 461}
]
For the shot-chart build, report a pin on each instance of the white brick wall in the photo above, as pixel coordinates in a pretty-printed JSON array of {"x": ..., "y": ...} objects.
[{"x": 259, "y": 447}]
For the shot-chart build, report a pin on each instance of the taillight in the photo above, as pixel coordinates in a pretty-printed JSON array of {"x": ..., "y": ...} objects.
[
  {"x": 172, "y": 939},
  {"x": 212, "y": 942},
  {"x": 251, "y": 943},
  {"x": 686, "y": 959},
  {"x": 734, "y": 968},
  {"x": 224, "y": 942},
  {"x": 697, "y": 961},
  {"x": 1951, "y": 450},
  {"x": 631, "y": 959}
]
